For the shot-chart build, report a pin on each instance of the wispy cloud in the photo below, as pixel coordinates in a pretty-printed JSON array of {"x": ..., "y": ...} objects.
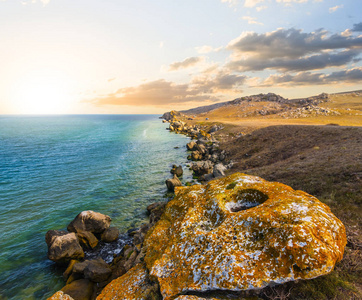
[
  {"x": 335, "y": 8},
  {"x": 251, "y": 20},
  {"x": 186, "y": 63}
]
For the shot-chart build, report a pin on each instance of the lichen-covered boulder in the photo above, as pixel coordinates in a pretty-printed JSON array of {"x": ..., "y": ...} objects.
[
  {"x": 63, "y": 248},
  {"x": 89, "y": 220},
  {"x": 135, "y": 284},
  {"x": 60, "y": 296},
  {"x": 241, "y": 233}
]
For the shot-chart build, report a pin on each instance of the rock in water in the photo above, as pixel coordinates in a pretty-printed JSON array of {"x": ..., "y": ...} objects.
[
  {"x": 177, "y": 170},
  {"x": 62, "y": 248},
  {"x": 60, "y": 296},
  {"x": 90, "y": 221},
  {"x": 172, "y": 183},
  {"x": 241, "y": 233}
]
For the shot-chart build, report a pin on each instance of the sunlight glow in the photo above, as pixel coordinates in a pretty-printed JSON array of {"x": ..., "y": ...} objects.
[{"x": 42, "y": 92}]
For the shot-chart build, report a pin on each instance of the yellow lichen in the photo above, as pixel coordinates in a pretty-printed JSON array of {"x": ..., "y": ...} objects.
[{"x": 257, "y": 233}]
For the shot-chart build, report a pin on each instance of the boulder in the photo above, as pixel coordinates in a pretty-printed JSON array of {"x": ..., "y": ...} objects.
[
  {"x": 191, "y": 146},
  {"x": 81, "y": 289},
  {"x": 135, "y": 284},
  {"x": 110, "y": 235},
  {"x": 219, "y": 170},
  {"x": 63, "y": 248},
  {"x": 196, "y": 155},
  {"x": 177, "y": 170},
  {"x": 51, "y": 234},
  {"x": 90, "y": 221},
  {"x": 202, "y": 167},
  {"x": 60, "y": 296},
  {"x": 172, "y": 183},
  {"x": 87, "y": 239},
  {"x": 241, "y": 233},
  {"x": 97, "y": 270}
]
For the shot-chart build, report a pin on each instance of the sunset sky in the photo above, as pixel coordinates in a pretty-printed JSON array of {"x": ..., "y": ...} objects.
[{"x": 150, "y": 56}]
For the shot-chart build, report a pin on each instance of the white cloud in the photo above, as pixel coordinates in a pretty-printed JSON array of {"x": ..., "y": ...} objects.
[
  {"x": 231, "y": 2},
  {"x": 252, "y": 3},
  {"x": 204, "y": 49},
  {"x": 260, "y": 8},
  {"x": 334, "y": 8},
  {"x": 251, "y": 20}
]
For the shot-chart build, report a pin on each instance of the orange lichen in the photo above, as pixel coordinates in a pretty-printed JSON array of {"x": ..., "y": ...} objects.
[
  {"x": 129, "y": 286},
  {"x": 60, "y": 296},
  {"x": 241, "y": 232}
]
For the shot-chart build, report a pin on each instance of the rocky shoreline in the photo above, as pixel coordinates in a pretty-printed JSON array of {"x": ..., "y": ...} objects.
[{"x": 154, "y": 262}]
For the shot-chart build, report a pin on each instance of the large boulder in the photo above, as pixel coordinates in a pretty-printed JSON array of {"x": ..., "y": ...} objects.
[
  {"x": 172, "y": 183},
  {"x": 90, "y": 221},
  {"x": 202, "y": 167},
  {"x": 241, "y": 233},
  {"x": 62, "y": 248},
  {"x": 135, "y": 284}
]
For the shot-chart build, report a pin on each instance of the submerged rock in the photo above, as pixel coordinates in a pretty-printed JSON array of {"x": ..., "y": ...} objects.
[
  {"x": 241, "y": 233},
  {"x": 89, "y": 220}
]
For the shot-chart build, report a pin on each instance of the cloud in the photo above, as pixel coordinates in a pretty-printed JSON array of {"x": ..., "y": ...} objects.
[
  {"x": 219, "y": 82},
  {"x": 308, "y": 78},
  {"x": 251, "y": 20},
  {"x": 204, "y": 49},
  {"x": 313, "y": 62},
  {"x": 334, "y": 8},
  {"x": 158, "y": 92},
  {"x": 260, "y": 8},
  {"x": 231, "y": 2},
  {"x": 292, "y": 50},
  {"x": 357, "y": 27},
  {"x": 252, "y": 3},
  {"x": 186, "y": 63}
]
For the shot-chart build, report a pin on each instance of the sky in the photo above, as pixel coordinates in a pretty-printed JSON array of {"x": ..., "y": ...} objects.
[{"x": 148, "y": 57}]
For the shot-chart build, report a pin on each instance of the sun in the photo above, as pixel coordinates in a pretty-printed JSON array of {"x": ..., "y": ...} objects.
[{"x": 42, "y": 92}]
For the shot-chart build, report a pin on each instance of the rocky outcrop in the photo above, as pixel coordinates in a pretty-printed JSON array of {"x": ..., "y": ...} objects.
[
  {"x": 63, "y": 246},
  {"x": 90, "y": 221},
  {"x": 241, "y": 233},
  {"x": 172, "y": 183}
]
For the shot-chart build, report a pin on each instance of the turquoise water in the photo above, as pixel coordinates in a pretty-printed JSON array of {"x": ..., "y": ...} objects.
[{"x": 53, "y": 167}]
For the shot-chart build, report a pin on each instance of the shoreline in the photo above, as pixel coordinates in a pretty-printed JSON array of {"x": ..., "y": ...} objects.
[{"x": 140, "y": 233}]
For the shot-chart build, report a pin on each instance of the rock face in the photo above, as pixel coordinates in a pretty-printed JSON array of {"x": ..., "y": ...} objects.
[
  {"x": 241, "y": 233},
  {"x": 90, "y": 221},
  {"x": 63, "y": 247}
]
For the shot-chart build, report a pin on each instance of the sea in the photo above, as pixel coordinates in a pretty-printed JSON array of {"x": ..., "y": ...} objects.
[{"x": 54, "y": 167}]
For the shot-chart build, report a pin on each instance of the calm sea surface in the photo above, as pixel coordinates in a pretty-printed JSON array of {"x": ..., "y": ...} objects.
[{"x": 53, "y": 167}]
